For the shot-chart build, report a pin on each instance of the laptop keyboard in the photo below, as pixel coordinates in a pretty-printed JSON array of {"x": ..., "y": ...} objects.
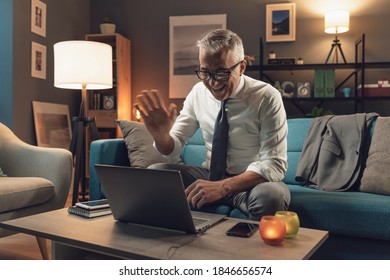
[{"x": 198, "y": 221}]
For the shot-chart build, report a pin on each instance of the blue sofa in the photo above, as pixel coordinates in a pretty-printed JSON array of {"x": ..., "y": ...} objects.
[{"x": 358, "y": 222}]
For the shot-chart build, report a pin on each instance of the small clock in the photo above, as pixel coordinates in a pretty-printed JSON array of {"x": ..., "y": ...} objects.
[
  {"x": 304, "y": 90},
  {"x": 108, "y": 102}
]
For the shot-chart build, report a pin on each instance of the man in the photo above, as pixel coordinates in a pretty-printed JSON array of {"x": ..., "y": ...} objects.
[{"x": 257, "y": 134}]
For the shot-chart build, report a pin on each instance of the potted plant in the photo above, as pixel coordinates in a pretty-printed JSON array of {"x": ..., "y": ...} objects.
[
  {"x": 318, "y": 112},
  {"x": 106, "y": 26}
]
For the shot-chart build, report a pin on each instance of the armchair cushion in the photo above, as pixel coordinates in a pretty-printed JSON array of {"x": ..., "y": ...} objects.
[
  {"x": 21, "y": 192},
  {"x": 139, "y": 144}
]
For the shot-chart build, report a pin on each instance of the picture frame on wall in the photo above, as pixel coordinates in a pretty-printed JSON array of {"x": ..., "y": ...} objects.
[
  {"x": 184, "y": 32},
  {"x": 38, "y": 60},
  {"x": 38, "y": 17},
  {"x": 52, "y": 124},
  {"x": 280, "y": 22}
]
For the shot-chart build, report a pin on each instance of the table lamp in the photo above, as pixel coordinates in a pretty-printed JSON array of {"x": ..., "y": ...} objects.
[
  {"x": 336, "y": 22},
  {"x": 84, "y": 65}
]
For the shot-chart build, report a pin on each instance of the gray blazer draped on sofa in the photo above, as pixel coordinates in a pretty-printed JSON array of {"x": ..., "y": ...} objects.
[{"x": 331, "y": 157}]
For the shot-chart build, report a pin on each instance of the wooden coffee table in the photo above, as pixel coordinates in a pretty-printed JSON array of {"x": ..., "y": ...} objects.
[{"x": 75, "y": 237}]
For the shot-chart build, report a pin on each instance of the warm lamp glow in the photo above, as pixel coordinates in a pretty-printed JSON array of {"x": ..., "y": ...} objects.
[
  {"x": 82, "y": 65},
  {"x": 336, "y": 22},
  {"x": 291, "y": 220},
  {"x": 272, "y": 230},
  {"x": 78, "y": 63}
]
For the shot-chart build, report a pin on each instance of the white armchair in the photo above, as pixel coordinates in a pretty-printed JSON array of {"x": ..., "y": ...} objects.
[{"x": 37, "y": 179}]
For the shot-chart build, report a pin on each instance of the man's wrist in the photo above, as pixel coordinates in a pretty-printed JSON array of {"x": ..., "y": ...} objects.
[
  {"x": 224, "y": 186},
  {"x": 164, "y": 143}
]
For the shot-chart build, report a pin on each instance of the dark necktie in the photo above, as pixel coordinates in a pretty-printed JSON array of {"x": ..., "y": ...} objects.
[{"x": 220, "y": 143}]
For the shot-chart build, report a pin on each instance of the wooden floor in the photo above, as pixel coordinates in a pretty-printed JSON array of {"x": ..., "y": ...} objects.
[{"x": 22, "y": 246}]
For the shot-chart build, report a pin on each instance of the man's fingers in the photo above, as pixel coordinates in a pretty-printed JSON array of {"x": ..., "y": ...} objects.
[
  {"x": 198, "y": 200},
  {"x": 151, "y": 99},
  {"x": 143, "y": 102},
  {"x": 172, "y": 110},
  {"x": 155, "y": 95},
  {"x": 141, "y": 110}
]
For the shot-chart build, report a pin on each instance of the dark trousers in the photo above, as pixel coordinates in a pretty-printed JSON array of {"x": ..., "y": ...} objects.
[{"x": 263, "y": 199}]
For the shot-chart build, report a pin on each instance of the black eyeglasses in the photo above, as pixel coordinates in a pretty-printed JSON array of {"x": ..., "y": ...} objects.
[{"x": 220, "y": 75}]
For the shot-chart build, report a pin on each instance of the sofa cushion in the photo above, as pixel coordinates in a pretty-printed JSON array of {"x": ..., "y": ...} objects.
[
  {"x": 297, "y": 131},
  {"x": 21, "y": 192},
  {"x": 350, "y": 213},
  {"x": 376, "y": 176},
  {"x": 194, "y": 151},
  {"x": 139, "y": 144}
]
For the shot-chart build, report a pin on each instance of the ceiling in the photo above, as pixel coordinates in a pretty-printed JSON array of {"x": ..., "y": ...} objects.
[{"x": 317, "y": 8}]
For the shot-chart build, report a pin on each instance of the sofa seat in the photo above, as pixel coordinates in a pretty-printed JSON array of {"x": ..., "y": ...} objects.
[
  {"x": 349, "y": 213},
  {"x": 22, "y": 192}
]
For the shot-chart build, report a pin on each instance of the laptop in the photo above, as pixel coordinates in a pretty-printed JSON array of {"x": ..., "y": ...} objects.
[{"x": 151, "y": 197}]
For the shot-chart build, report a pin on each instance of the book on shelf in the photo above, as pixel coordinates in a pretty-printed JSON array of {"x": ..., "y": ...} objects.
[
  {"x": 96, "y": 101},
  {"x": 324, "y": 83},
  {"x": 319, "y": 83},
  {"x": 329, "y": 83},
  {"x": 89, "y": 213}
]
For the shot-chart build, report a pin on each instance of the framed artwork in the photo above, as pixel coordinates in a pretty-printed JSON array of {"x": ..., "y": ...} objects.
[
  {"x": 184, "y": 33},
  {"x": 52, "y": 125},
  {"x": 38, "y": 17},
  {"x": 38, "y": 60},
  {"x": 280, "y": 22}
]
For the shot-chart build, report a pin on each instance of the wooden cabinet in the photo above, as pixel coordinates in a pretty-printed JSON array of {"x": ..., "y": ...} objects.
[
  {"x": 120, "y": 94},
  {"x": 111, "y": 104}
]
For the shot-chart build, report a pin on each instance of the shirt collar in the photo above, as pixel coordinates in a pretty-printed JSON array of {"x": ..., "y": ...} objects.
[{"x": 240, "y": 86}]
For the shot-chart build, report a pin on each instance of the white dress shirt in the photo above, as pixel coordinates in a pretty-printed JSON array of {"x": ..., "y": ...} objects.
[{"x": 257, "y": 127}]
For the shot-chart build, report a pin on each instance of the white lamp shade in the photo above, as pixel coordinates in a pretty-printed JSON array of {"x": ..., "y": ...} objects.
[
  {"x": 336, "y": 21},
  {"x": 78, "y": 63}
]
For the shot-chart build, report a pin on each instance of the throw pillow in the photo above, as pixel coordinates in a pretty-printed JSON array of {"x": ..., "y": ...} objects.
[
  {"x": 139, "y": 144},
  {"x": 376, "y": 175}
]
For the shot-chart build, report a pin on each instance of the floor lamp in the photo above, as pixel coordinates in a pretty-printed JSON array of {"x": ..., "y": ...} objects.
[
  {"x": 82, "y": 65},
  {"x": 336, "y": 22}
]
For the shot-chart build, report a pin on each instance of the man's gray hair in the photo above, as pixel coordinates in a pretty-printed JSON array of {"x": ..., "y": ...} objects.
[{"x": 220, "y": 39}]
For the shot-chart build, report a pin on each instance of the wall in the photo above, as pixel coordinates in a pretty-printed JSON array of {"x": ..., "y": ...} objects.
[
  {"x": 66, "y": 20},
  {"x": 148, "y": 29},
  {"x": 6, "y": 62}
]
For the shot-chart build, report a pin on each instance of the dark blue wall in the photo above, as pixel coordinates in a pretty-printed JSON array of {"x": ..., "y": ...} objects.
[{"x": 6, "y": 54}]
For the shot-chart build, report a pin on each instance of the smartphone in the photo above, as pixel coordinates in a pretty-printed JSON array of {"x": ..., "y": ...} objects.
[
  {"x": 93, "y": 204},
  {"x": 242, "y": 229}
]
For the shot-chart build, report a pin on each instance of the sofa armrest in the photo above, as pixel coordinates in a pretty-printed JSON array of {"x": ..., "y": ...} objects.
[{"x": 105, "y": 151}]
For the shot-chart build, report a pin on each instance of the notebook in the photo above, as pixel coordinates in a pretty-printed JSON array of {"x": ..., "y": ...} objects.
[{"x": 151, "y": 197}]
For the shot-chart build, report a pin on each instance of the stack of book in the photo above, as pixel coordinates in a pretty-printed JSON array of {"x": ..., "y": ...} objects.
[
  {"x": 324, "y": 83},
  {"x": 90, "y": 209}
]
